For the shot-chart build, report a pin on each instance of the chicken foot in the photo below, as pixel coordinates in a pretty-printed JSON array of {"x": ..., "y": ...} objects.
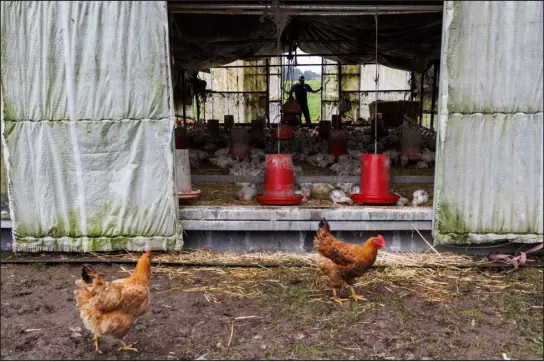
[
  {"x": 126, "y": 347},
  {"x": 335, "y": 297},
  {"x": 96, "y": 346},
  {"x": 354, "y": 295}
]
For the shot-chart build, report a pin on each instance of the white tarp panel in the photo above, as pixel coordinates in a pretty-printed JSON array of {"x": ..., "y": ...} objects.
[
  {"x": 87, "y": 125},
  {"x": 490, "y": 151}
]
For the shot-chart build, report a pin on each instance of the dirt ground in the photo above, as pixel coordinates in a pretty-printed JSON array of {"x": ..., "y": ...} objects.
[{"x": 285, "y": 313}]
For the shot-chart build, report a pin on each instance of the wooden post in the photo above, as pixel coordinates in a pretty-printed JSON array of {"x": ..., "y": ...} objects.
[
  {"x": 183, "y": 171},
  {"x": 421, "y": 99},
  {"x": 412, "y": 85},
  {"x": 184, "y": 92},
  {"x": 433, "y": 101},
  {"x": 268, "y": 91}
]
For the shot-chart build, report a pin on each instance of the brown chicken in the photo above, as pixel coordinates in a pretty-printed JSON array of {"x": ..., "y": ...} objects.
[
  {"x": 111, "y": 308},
  {"x": 343, "y": 262}
]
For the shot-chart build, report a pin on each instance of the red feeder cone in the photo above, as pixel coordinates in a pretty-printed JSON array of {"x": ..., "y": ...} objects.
[
  {"x": 324, "y": 129},
  {"x": 337, "y": 143},
  {"x": 375, "y": 181},
  {"x": 279, "y": 182},
  {"x": 336, "y": 121},
  {"x": 283, "y": 132}
]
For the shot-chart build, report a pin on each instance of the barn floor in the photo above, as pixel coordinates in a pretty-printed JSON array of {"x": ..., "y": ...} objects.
[
  {"x": 284, "y": 313},
  {"x": 225, "y": 194}
]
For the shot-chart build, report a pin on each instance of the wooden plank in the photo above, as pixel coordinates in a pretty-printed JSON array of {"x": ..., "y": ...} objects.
[{"x": 309, "y": 179}]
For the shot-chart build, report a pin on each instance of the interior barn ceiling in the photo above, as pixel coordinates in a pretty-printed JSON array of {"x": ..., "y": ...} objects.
[{"x": 212, "y": 35}]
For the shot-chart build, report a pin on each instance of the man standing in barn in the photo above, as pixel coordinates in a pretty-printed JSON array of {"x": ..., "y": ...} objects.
[{"x": 301, "y": 95}]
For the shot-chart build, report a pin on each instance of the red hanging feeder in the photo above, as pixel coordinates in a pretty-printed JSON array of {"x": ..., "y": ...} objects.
[
  {"x": 336, "y": 121},
  {"x": 337, "y": 143},
  {"x": 283, "y": 132},
  {"x": 213, "y": 128},
  {"x": 324, "y": 129},
  {"x": 239, "y": 143},
  {"x": 291, "y": 112},
  {"x": 279, "y": 182},
  {"x": 180, "y": 135},
  {"x": 228, "y": 121},
  {"x": 375, "y": 181}
]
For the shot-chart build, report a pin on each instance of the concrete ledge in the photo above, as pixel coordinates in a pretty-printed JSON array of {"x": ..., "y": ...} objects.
[
  {"x": 302, "y": 213},
  {"x": 274, "y": 225},
  {"x": 293, "y": 241},
  {"x": 244, "y": 218}
]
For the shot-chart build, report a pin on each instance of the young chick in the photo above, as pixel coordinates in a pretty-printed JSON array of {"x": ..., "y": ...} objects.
[
  {"x": 404, "y": 160},
  {"x": 338, "y": 197},
  {"x": 305, "y": 191},
  {"x": 345, "y": 187},
  {"x": 355, "y": 190},
  {"x": 222, "y": 152},
  {"x": 420, "y": 197},
  {"x": 247, "y": 192},
  {"x": 402, "y": 200},
  {"x": 421, "y": 164}
]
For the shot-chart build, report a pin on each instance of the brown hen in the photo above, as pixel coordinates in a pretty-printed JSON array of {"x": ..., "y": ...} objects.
[
  {"x": 111, "y": 308},
  {"x": 343, "y": 263}
]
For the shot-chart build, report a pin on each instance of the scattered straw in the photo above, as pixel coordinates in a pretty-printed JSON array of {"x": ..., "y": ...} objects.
[{"x": 231, "y": 333}]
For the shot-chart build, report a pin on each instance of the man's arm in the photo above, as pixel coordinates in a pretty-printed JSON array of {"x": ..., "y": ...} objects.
[{"x": 309, "y": 89}]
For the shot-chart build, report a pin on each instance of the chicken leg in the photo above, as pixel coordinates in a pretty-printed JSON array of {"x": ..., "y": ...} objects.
[
  {"x": 354, "y": 295},
  {"x": 335, "y": 297},
  {"x": 96, "y": 346},
  {"x": 126, "y": 347}
]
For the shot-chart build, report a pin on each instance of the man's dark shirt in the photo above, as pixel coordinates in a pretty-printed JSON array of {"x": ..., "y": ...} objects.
[{"x": 301, "y": 92}]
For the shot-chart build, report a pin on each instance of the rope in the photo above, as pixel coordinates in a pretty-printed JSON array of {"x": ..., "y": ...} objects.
[{"x": 376, "y": 81}]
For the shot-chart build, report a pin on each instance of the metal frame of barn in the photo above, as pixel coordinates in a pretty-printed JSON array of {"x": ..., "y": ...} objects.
[{"x": 88, "y": 115}]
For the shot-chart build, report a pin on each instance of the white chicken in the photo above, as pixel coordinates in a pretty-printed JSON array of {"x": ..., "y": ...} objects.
[
  {"x": 338, "y": 197},
  {"x": 222, "y": 152},
  {"x": 343, "y": 158},
  {"x": 256, "y": 153},
  {"x": 421, "y": 164},
  {"x": 404, "y": 160},
  {"x": 247, "y": 192},
  {"x": 222, "y": 161},
  {"x": 419, "y": 197},
  {"x": 305, "y": 191},
  {"x": 393, "y": 156},
  {"x": 355, "y": 154},
  {"x": 427, "y": 156},
  {"x": 355, "y": 190},
  {"x": 402, "y": 200},
  {"x": 297, "y": 170},
  {"x": 345, "y": 187}
]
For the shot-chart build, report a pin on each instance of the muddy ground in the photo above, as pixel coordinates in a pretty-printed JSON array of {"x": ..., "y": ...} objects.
[{"x": 285, "y": 313}]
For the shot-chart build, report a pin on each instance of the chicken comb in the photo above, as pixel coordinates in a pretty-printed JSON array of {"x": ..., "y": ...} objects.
[
  {"x": 380, "y": 237},
  {"x": 148, "y": 251}
]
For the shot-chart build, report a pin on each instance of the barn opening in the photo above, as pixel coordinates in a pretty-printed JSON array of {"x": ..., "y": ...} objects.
[{"x": 238, "y": 61}]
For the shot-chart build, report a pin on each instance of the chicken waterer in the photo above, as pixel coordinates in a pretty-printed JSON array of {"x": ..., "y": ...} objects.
[
  {"x": 337, "y": 142},
  {"x": 183, "y": 176},
  {"x": 283, "y": 132},
  {"x": 375, "y": 181},
  {"x": 279, "y": 182}
]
